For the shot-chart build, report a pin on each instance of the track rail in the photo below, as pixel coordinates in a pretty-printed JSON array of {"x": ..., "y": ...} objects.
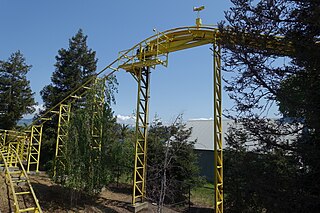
[
  {"x": 16, "y": 176},
  {"x": 148, "y": 54},
  {"x": 158, "y": 46}
]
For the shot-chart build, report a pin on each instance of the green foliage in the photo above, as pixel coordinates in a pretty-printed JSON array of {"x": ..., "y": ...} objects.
[
  {"x": 73, "y": 67},
  {"x": 286, "y": 152},
  {"x": 299, "y": 95},
  {"x": 120, "y": 153},
  {"x": 98, "y": 150},
  {"x": 91, "y": 134},
  {"x": 203, "y": 195},
  {"x": 260, "y": 182},
  {"x": 16, "y": 97},
  {"x": 172, "y": 163}
]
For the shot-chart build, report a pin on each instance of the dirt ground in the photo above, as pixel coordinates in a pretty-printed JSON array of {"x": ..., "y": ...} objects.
[
  {"x": 4, "y": 195},
  {"x": 54, "y": 198}
]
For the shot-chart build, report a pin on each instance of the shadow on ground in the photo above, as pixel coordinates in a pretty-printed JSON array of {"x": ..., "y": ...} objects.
[
  {"x": 195, "y": 209},
  {"x": 120, "y": 188},
  {"x": 55, "y": 198}
]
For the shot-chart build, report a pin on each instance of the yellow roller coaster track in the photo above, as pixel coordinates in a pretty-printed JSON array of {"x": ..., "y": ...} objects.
[
  {"x": 18, "y": 181},
  {"x": 137, "y": 61}
]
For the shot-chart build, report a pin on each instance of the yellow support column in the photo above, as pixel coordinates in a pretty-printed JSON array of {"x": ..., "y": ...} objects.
[
  {"x": 98, "y": 108},
  {"x": 3, "y": 137},
  {"x": 25, "y": 149},
  {"x": 22, "y": 148},
  {"x": 34, "y": 147},
  {"x": 17, "y": 142},
  {"x": 218, "y": 161},
  {"x": 63, "y": 123},
  {"x": 139, "y": 177},
  {"x": 15, "y": 175}
]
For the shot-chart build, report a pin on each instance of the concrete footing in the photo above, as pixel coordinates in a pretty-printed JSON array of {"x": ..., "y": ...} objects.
[{"x": 138, "y": 207}]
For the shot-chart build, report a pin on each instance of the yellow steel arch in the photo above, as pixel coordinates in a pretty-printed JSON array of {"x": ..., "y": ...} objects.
[
  {"x": 147, "y": 54},
  {"x": 154, "y": 51}
]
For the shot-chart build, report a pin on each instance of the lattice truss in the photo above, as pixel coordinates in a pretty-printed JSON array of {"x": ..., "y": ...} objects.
[{"x": 19, "y": 149}]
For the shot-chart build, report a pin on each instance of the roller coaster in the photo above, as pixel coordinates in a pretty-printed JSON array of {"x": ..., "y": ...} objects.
[{"x": 20, "y": 150}]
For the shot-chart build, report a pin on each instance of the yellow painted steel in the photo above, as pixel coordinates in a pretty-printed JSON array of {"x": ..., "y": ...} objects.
[
  {"x": 158, "y": 46},
  {"x": 15, "y": 176},
  {"x": 16, "y": 139},
  {"x": 142, "y": 75},
  {"x": 27, "y": 145},
  {"x": 34, "y": 147},
  {"x": 8, "y": 136},
  {"x": 22, "y": 147},
  {"x": 138, "y": 60},
  {"x": 98, "y": 109},
  {"x": 149, "y": 53},
  {"x": 74, "y": 96},
  {"x": 96, "y": 126},
  {"x": 217, "y": 128},
  {"x": 63, "y": 123},
  {"x": 154, "y": 51},
  {"x": 3, "y": 137}
]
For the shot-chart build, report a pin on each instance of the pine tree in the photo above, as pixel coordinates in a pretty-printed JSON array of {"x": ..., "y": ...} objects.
[
  {"x": 16, "y": 97},
  {"x": 259, "y": 81},
  {"x": 73, "y": 67}
]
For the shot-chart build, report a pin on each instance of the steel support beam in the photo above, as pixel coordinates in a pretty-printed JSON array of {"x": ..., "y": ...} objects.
[
  {"x": 3, "y": 138},
  {"x": 142, "y": 75},
  {"x": 22, "y": 147},
  {"x": 16, "y": 175},
  {"x": 34, "y": 147},
  {"x": 217, "y": 111},
  {"x": 63, "y": 123},
  {"x": 98, "y": 110}
]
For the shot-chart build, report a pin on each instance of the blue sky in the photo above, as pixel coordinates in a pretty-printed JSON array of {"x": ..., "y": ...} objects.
[{"x": 40, "y": 28}]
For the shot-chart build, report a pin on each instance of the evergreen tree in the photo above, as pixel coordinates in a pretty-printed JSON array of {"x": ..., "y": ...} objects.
[
  {"x": 299, "y": 98},
  {"x": 172, "y": 163},
  {"x": 73, "y": 67},
  {"x": 87, "y": 166},
  {"x": 16, "y": 97},
  {"x": 259, "y": 81},
  {"x": 258, "y": 182},
  {"x": 120, "y": 152}
]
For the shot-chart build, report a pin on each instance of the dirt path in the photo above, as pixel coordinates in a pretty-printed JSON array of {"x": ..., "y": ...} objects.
[
  {"x": 4, "y": 195},
  {"x": 54, "y": 198}
]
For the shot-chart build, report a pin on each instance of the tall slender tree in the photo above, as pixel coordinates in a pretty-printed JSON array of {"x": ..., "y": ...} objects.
[
  {"x": 73, "y": 67},
  {"x": 172, "y": 163},
  {"x": 16, "y": 97},
  {"x": 259, "y": 80}
]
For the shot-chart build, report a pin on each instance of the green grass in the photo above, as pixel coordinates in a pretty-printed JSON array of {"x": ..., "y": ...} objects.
[{"x": 203, "y": 195}]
